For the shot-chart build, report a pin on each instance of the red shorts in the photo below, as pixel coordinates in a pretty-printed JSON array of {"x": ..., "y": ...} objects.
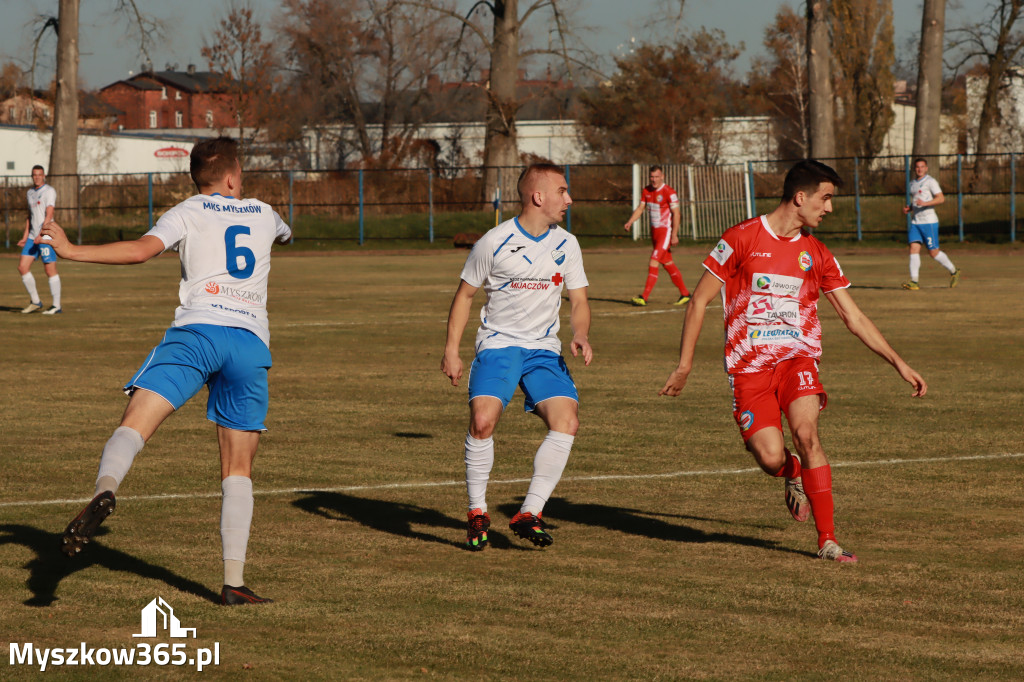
[
  {"x": 760, "y": 398},
  {"x": 662, "y": 238}
]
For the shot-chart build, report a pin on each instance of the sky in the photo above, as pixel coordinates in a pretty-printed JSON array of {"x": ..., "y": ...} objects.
[{"x": 108, "y": 54}]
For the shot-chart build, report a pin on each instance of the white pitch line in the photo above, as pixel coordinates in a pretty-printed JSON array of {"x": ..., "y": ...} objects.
[{"x": 445, "y": 484}]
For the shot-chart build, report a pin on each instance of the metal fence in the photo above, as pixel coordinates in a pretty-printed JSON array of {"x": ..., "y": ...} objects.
[{"x": 424, "y": 204}]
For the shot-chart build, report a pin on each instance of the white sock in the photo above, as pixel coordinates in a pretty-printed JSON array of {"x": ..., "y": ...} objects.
[
  {"x": 548, "y": 465},
  {"x": 235, "y": 521},
  {"x": 30, "y": 284},
  {"x": 479, "y": 460},
  {"x": 118, "y": 455},
  {"x": 55, "y": 290},
  {"x": 942, "y": 259},
  {"x": 915, "y": 266}
]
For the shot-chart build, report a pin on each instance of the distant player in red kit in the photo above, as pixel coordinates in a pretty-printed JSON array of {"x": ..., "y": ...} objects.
[
  {"x": 662, "y": 203},
  {"x": 773, "y": 269}
]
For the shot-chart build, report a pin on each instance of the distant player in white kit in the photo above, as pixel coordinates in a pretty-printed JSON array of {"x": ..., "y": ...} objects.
[
  {"x": 41, "y": 201},
  {"x": 924, "y": 225},
  {"x": 522, "y": 266},
  {"x": 220, "y": 337}
]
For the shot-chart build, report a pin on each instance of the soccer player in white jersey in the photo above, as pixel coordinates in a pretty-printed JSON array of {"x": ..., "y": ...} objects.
[
  {"x": 220, "y": 337},
  {"x": 773, "y": 270},
  {"x": 41, "y": 201},
  {"x": 924, "y": 225},
  {"x": 522, "y": 265}
]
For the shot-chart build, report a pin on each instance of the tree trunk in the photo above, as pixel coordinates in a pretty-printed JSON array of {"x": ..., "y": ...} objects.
[
  {"x": 927, "y": 125},
  {"x": 819, "y": 77},
  {"x": 63, "y": 170},
  {"x": 500, "y": 146}
]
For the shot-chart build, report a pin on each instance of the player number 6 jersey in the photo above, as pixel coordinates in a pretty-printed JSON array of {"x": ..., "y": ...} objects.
[{"x": 223, "y": 279}]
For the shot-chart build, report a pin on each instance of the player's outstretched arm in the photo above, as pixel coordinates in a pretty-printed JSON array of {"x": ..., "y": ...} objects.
[
  {"x": 579, "y": 318},
  {"x": 635, "y": 217},
  {"x": 707, "y": 288},
  {"x": 864, "y": 329},
  {"x": 458, "y": 316},
  {"x": 116, "y": 253}
]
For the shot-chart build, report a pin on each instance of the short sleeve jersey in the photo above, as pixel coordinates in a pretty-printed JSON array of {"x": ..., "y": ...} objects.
[
  {"x": 770, "y": 297},
  {"x": 523, "y": 277},
  {"x": 38, "y": 199},
  {"x": 924, "y": 189},
  {"x": 224, "y": 247},
  {"x": 659, "y": 204}
]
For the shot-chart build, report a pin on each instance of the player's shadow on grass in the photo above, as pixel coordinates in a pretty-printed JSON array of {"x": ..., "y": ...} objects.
[
  {"x": 9, "y": 309},
  {"x": 395, "y": 518},
  {"x": 50, "y": 567},
  {"x": 611, "y": 300},
  {"x": 646, "y": 524}
]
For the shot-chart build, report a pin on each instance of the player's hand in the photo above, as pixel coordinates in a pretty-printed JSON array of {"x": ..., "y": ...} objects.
[
  {"x": 915, "y": 380},
  {"x": 21, "y": 242},
  {"x": 906, "y": 209},
  {"x": 627, "y": 226},
  {"x": 581, "y": 344},
  {"x": 675, "y": 383},
  {"x": 674, "y": 240},
  {"x": 58, "y": 240},
  {"x": 451, "y": 365}
]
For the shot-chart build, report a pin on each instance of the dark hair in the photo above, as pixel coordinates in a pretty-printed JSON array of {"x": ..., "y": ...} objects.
[
  {"x": 921, "y": 159},
  {"x": 806, "y": 176},
  {"x": 39, "y": 167},
  {"x": 212, "y": 159},
  {"x": 655, "y": 168},
  {"x": 535, "y": 169}
]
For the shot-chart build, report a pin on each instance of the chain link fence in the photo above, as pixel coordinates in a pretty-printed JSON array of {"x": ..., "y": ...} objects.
[{"x": 397, "y": 205}]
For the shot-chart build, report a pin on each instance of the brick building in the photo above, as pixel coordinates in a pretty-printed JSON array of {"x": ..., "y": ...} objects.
[{"x": 173, "y": 99}]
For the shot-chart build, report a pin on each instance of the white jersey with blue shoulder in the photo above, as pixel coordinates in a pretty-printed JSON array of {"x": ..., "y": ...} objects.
[
  {"x": 523, "y": 277},
  {"x": 39, "y": 198},
  {"x": 925, "y": 189},
  {"x": 224, "y": 247}
]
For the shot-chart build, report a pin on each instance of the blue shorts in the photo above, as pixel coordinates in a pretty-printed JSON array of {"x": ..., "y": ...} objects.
[
  {"x": 232, "y": 362},
  {"x": 542, "y": 374},
  {"x": 926, "y": 233},
  {"x": 43, "y": 251}
]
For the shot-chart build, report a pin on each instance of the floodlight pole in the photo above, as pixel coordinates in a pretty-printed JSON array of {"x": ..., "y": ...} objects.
[{"x": 360, "y": 207}]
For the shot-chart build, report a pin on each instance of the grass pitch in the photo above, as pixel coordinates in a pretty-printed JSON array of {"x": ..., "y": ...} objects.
[{"x": 673, "y": 557}]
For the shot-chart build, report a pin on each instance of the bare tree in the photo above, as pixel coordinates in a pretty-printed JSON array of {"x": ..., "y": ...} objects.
[
  {"x": 248, "y": 65},
  {"x": 996, "y": 42},
  {"x": 819, "y": 76},
  {"x": 863, "y": 59},
  {"x": 780, "y": 81},
  {"x": 503, "y": 45},
  {"x": 927, "y": 131},
  {"x": 63, "y": 170}
]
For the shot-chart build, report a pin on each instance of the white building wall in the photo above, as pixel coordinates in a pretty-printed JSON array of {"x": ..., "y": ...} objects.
[{"x": 22, "y": 147}]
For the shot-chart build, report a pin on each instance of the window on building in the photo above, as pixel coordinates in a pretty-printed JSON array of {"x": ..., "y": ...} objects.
[
  {"x": 177, "y": 94},
  {"x": 163, "y": 93},
  {"x": 152, "y": 118},
  {"x": 10, "y": 165},
  {"x": 209, "y": 118},
  {"x": 179, "y": 119}
]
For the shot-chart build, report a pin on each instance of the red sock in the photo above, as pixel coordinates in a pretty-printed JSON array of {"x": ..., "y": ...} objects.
[
  {"x": 677, "y": 278},
  {"x": 818, "y": 488},
  {"x": 791, "y": 468},
  {"x": 652, "y": 277}
]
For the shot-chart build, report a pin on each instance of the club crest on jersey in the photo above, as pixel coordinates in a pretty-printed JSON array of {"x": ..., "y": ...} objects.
[
  {"x": 558, "y": 256},
  {"x": 212, "y": 288},
  {"x": 805, "y": 261},
  {"x": 746, "y": 420}
]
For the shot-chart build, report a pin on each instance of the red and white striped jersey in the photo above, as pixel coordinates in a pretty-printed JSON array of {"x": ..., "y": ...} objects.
[
  {"x": 771, "y": 291},
  {"x": 659, "y": 204}
]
